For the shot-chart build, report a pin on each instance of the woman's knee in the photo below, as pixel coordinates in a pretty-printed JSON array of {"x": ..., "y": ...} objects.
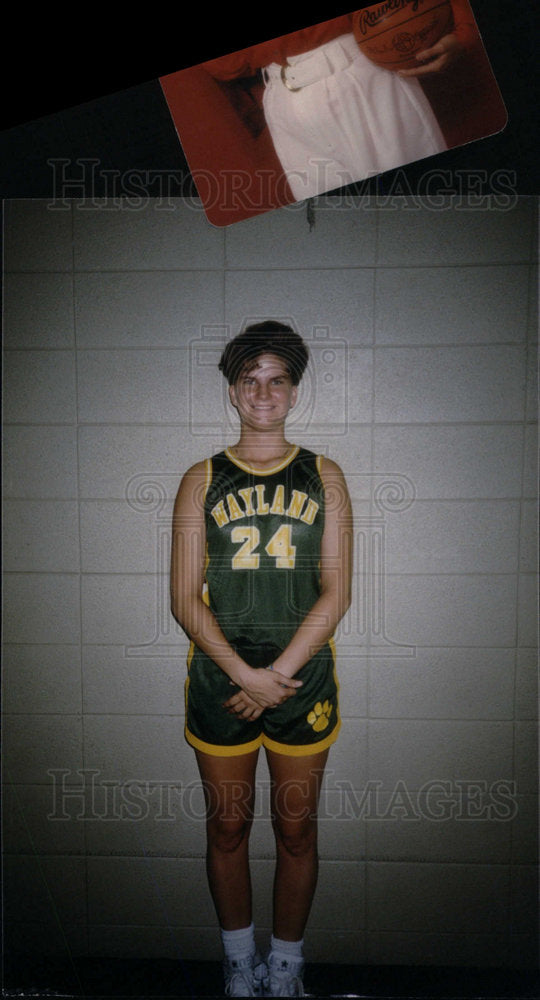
[
  {"x": 297, "y": 839},
  {"x": 228, "y": 835},
  {"x": 229, "y": 813}
]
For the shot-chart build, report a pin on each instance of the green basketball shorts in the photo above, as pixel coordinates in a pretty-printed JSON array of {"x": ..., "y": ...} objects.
[{"x": 306, "y": 723}]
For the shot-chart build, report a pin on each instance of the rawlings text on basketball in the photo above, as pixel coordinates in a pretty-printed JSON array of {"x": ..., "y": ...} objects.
[{"x": 372, "y": 15}]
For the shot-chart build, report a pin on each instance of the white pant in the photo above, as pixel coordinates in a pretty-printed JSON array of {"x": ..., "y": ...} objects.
[{"x": 354, "y": 121}]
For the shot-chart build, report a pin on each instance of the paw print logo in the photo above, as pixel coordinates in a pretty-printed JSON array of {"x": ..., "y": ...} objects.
[{"x": 319, "y": 718}]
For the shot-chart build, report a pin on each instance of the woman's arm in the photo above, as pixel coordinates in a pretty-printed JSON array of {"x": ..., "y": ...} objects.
[{"x": 193, "y": 613}]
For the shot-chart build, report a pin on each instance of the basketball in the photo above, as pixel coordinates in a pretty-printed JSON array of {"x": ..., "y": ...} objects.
[{"x": 390, "y": 33}]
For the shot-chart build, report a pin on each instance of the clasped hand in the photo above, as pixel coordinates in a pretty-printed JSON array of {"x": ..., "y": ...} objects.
[{"x": 261, "y": 689}]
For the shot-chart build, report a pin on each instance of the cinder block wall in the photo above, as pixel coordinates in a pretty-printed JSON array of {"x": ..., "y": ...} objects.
[{"x": 422, "y": 323}]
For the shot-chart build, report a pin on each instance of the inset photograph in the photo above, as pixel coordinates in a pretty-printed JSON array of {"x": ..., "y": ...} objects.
[{"x": 333, "y": 104}]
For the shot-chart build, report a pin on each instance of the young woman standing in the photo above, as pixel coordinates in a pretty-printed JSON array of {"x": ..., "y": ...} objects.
[{"x": 260, "y": 578}]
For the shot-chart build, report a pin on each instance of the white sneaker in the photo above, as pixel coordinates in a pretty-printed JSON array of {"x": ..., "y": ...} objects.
[
  {"x": 284, "y": 978},
  {"x": 244, "y": 977}
]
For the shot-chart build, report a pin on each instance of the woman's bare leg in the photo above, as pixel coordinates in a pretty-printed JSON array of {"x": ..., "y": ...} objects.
[
  {"x": 229, "y": 787},
  {"x": 296, "y": 785}
]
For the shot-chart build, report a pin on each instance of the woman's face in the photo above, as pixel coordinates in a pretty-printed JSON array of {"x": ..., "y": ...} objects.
[{"x": 264, "y": 394}]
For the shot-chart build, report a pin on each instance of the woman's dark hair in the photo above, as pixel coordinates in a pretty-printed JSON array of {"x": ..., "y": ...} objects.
[{"x": 269, "y": 337}]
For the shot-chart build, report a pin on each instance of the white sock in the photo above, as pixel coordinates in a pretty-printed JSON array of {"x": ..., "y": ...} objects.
[
  {"x": 239, "y": 944},
  {"x": 286, "y": 954}
]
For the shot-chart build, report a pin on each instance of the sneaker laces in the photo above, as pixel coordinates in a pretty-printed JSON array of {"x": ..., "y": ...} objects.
[
  {"x": 285, "y": 979},
  {"x": 238, "y": 977},
  {"x": 244, "y": 977},
  {"x": 291, "y": 986}
]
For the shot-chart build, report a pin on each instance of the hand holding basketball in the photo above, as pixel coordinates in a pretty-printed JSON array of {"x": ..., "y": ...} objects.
[
  {"x": 436, "y": 59},
  {"x": 393, "y": 32}
]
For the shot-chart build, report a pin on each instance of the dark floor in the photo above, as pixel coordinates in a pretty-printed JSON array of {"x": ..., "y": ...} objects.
[{"x": 115, "y": 978}]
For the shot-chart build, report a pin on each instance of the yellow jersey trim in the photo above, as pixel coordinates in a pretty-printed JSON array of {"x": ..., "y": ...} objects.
[
  {"x": 262, "y": 472},
  {"x": 208, "y": 480},
  {"x": 306, "y": 749},
  {"x": 219, "y": 751}
]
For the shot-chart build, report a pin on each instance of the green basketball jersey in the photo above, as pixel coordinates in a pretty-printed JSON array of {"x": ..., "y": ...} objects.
[{"x": 263, "y": 532}]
